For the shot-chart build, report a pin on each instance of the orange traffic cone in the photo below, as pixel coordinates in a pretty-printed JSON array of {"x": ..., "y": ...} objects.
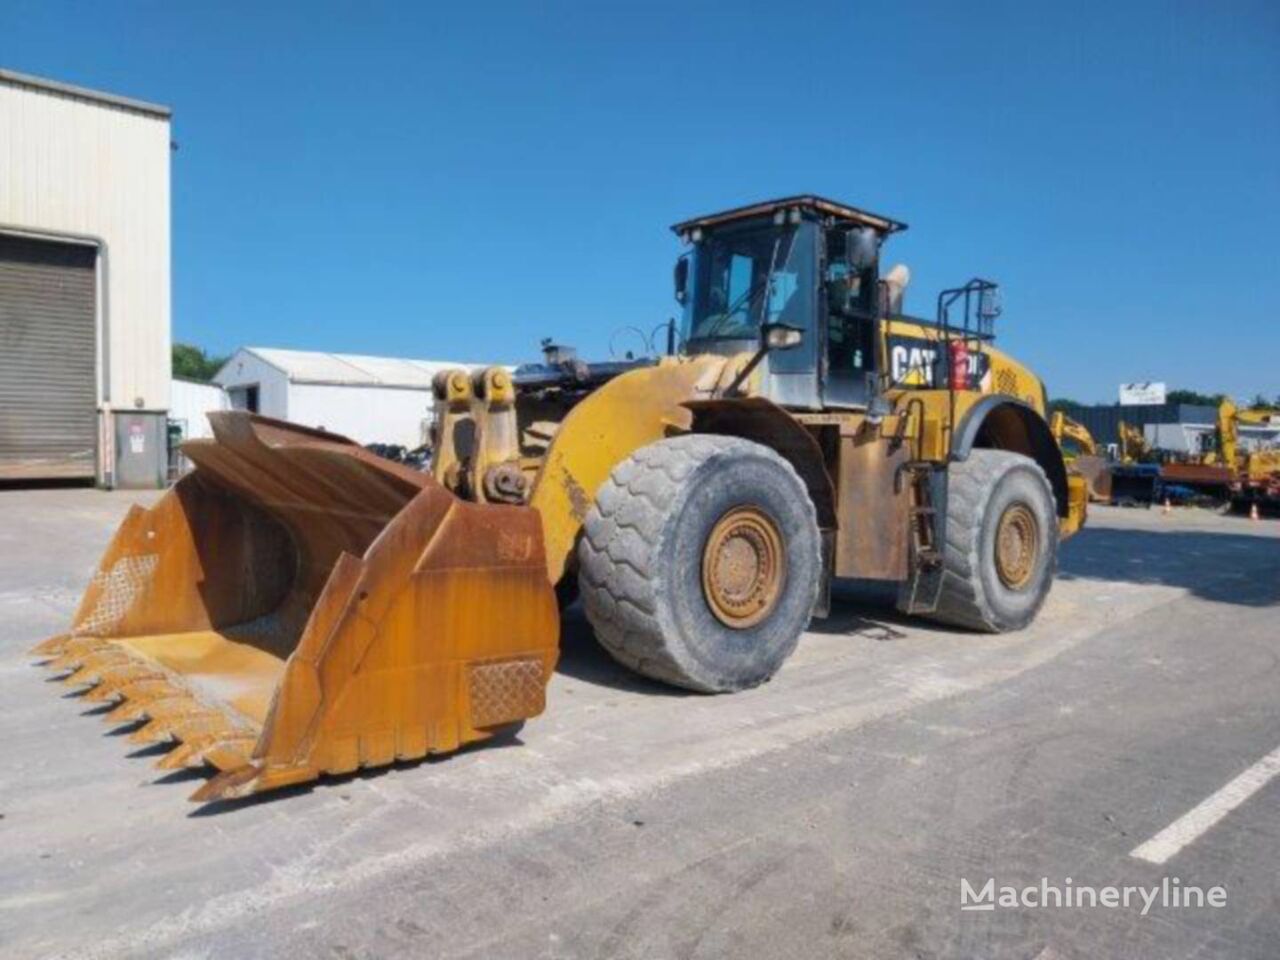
[{"x": 1253, "y": 512}]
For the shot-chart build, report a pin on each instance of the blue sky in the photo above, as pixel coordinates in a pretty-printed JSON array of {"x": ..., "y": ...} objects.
[{"x": 457, "y": 181}]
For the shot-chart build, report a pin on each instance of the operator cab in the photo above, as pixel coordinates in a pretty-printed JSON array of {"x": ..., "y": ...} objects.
[{"x": 801, "y": 262}]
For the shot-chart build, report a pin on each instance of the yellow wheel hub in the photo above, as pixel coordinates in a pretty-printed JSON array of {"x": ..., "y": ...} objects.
[
  {"x": 744, "y": 567},
  {"x": 1017, "y": 546}
]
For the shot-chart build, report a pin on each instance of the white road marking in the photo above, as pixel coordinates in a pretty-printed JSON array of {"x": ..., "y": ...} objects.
[{"x": 1188, "y": 827}]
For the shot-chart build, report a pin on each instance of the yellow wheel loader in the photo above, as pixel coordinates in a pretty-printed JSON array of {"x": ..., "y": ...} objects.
[{"x": 297, "y": 606}]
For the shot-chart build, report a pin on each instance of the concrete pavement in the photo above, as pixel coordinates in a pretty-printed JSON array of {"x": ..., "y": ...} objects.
[{"x": 832, "y": 812}]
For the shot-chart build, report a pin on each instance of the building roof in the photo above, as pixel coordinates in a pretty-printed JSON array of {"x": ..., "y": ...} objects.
[
  {"x": 84, "y": 93},
  {"x": 820, "y": 205},
  {"x": 349, "y": 369}
]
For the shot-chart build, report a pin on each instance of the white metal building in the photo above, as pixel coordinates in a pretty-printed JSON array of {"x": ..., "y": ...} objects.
[
  {"x": 190, "y": 403},
  {"x": 369, "y": 399},
  {"x": 84, "y": 284}
]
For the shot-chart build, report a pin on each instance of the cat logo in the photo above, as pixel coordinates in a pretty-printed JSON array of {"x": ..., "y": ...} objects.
[
  {"x": 917, "y": 362},
  {"x": 913, "y": 365}
]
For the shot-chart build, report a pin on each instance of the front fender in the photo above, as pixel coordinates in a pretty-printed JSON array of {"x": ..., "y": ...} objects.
[
  {"x": 766, "y": 423},
  {"x": 627, "y": 413},
  {"x": 1000, "y": 422}
]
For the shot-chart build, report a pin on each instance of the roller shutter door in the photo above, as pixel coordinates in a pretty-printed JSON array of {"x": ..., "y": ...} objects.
[{"x": 48, "y": 418}]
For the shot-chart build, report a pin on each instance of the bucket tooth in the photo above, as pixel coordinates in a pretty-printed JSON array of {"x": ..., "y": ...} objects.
[
  {"x": 65, "y": 661},
  {"x": 229, "y": 753},
  {"x": 51, "y": 647},
  {"x": 139, "y": 688},
  {"x": 80, "y": 677},
  {"x": 148, "y": 688},
  {"x": 83, "y": 646},
  {"x": 153, "y": 731},
  {"x": 181, "y": 756},
  {"x": 164, "y": 704},
  {"x": 102, "y": 693},
  {"x": 92, "y": 666},
  {"x": 104, "y": 660},
  {"x": 179, "y": 705},
  {"x": 129, "y": 672},
  {"x": 253, "y": 777},
  {"x": 208, "y": 724},
  {"x": 225, "y": 753},
  {"x": 127, "y": 711},
  {"x": 229, "y": 785}
]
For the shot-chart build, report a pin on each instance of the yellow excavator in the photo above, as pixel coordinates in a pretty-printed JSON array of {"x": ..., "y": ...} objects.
[
  {"x": 1255, "y": 472},
  {"x": 1133, "y": 446},
  {"x": 1249, "y": 465},
  {"x": 297, "y": 606},
  {"x": 1080, "y": 453}
]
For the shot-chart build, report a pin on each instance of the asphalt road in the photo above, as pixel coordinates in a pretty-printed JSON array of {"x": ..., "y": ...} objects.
[{"x": 833, "y": 812}]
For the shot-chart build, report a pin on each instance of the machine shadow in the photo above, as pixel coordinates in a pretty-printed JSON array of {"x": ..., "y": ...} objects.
[
  {"x": 582, "y": 658},
  {"x": 858, "y": 608},
  {"x": 865, "y": 609},
  {"x": 1235, "y": 568},
  {"x": 507, "y": 738}
]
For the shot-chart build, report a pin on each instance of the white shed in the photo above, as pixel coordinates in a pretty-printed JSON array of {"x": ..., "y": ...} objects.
[
  {"x": 84, "y": 284},
  {"x": 369, "y": 399},
  {"x": 190, "y": 404}
]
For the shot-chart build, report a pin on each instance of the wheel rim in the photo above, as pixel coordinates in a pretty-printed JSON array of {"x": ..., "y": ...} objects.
[
  {"x": 743, "y": 567},
  {"x": 1017, "y": 546}
]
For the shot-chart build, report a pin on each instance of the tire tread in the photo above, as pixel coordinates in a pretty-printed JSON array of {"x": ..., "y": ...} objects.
[{"x": 622, "y": 540}]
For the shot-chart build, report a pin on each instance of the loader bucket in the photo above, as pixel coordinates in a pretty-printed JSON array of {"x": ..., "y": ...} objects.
[
  {"x": 297, "y": 605},
  {"x": 1097, "y": 474}
]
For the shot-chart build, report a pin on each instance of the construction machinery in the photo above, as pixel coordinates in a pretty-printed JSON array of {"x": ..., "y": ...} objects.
[
  {"x": 1133, "y": 446},
  {"x": 298, "y": 606},
  {"x": 1254, "y": 472},
  {"x": 1080, "y": 453}
]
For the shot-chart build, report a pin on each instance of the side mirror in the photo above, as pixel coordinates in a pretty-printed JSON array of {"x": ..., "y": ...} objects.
[
  {"x": 862, "y": 248},
  {"x": 780, "y": 336},
  {"x": 989, "y": 305},
  {"x": 682, "y": 279},
  {"x": 840, "y": 297}
]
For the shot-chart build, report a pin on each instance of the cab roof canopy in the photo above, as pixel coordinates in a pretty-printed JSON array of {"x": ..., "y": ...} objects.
[{"x": 809, "y": 202}]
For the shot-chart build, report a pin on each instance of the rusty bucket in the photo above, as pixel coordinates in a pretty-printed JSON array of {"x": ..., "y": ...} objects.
[{"x": 298, "y": 606}]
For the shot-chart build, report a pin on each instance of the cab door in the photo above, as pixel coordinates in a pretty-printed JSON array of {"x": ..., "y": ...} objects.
[{"x": 849, "y": 326}]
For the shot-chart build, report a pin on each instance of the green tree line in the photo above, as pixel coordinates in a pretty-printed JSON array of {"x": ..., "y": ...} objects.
[{"x": 192, "y": 363}]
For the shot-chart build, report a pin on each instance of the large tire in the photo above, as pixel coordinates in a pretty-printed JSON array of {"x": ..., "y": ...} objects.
[
  {"x": 641, "y": 561},
  {"x": 981, "y": 491}
]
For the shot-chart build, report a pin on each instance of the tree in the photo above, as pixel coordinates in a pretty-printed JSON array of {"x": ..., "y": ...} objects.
[
  {"x": 1065, "y": 404},
  {"x": 192, "y": 363},
  {"x": 1193, "y": 398}
]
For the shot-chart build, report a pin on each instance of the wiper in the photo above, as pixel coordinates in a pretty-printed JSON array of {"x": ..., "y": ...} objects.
[{"x": 747, "y": 296}]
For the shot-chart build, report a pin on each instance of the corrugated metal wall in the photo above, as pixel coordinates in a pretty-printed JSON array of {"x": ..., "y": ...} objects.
[
  {"x": 48, "y": 400},
  {"x": 364, "y": 414},
  {"x": 191, "y": 404},
  {"x": 71, "y": 165}
]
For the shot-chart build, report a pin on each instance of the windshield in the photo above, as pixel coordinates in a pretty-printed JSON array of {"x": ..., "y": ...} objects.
[{"x": 746, "y": 277}]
